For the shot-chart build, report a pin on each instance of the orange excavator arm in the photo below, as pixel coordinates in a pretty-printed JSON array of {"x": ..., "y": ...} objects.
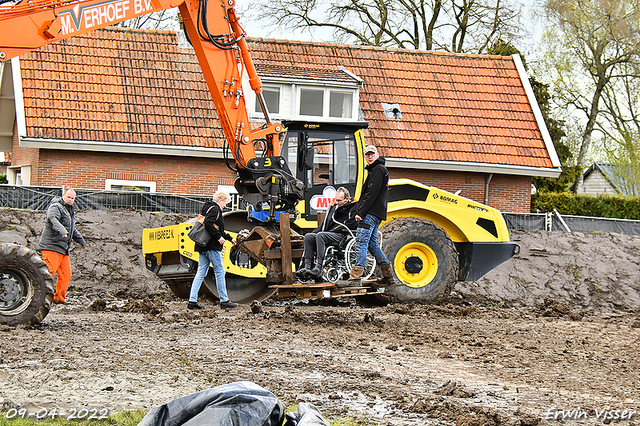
[{"x": 219, "y": 42}]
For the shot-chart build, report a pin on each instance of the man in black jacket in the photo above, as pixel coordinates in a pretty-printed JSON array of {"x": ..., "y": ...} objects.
[
  {"x": 331, "y": 231},
  {"x": 371, "y": 210}
]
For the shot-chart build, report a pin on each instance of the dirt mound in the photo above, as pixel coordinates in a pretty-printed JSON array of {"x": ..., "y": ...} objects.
[{"x": 583, "y": 271}]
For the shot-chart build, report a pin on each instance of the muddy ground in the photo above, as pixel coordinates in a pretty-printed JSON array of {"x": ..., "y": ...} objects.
[{"x": 552, "y": 333}]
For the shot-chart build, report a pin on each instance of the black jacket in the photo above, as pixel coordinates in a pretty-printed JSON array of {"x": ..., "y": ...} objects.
[
  {"x": 60, "y": 220},
  {"x": 213, "y": 216},
  {"x": 345, "y": 214},
  {"x": 374, "y": 192}
]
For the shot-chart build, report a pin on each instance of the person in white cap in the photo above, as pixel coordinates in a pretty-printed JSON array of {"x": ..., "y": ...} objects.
[{"x": 370, "y": 212}]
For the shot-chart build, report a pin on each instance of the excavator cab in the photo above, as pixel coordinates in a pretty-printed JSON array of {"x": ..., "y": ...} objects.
[{"x": 325, "y": 156}]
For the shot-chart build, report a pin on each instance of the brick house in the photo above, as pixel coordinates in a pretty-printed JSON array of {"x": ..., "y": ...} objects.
[{"x": 115, "y": 109}]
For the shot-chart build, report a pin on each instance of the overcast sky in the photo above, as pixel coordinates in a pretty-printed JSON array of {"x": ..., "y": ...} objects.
[{"x": 259, "y": 28}]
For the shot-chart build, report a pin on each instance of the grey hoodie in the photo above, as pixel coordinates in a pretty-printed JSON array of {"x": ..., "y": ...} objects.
[{"x": 60, "y": 221}]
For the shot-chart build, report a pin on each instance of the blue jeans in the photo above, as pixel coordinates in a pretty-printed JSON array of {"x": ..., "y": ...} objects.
[
  {"x": 367, "y": 238},
  {"x": 213, "y": 257}
]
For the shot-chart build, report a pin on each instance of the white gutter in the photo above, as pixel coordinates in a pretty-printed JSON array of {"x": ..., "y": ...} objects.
[
  {"x": 128, "y": 148},
  {"x": 459, "y": 166},
  {"x": 524, "y": 78},
  {"x": 18, "y": 98}
]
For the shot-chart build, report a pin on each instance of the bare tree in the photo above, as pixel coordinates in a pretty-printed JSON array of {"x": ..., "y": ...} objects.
[
  {"x": 161, "y": 20},
  {"x": 589, "y": 43},
  {"x": 453, "y": 25}
]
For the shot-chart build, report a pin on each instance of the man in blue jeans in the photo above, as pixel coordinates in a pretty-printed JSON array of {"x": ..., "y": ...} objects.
[{"x": 370, "y": 212}]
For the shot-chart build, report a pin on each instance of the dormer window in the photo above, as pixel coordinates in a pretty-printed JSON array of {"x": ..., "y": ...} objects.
[
  {"x": 302, "y": 94},
  {"x": 325, "y": 102},
  {"x": 272, "y": 98}
]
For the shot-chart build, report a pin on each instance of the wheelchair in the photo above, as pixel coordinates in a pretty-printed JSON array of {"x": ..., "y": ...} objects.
[{"x": 340, "y": 257}]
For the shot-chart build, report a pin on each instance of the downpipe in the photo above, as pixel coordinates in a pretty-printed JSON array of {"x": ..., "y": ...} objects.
[{"x": 487, "y": 180}]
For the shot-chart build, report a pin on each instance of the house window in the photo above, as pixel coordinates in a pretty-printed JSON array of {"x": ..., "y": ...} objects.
[
  {"x": 312, "y": 102},
  {"x": 325, "y": 102},
  {"x": 19, "y": 175},
  {"x": 340, "y": 104},
  {"x": 272, "y": 98},
  {"x": 129, "y": 185}
]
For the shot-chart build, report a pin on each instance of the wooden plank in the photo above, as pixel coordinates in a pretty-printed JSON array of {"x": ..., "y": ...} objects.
[
  {"x": 285, "y": 247},
  {"x": 320, "y": 291},
  {"x": 302, "y": 286}
]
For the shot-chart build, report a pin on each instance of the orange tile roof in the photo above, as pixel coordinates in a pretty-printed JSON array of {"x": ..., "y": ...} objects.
[
  {"x": 138, "y": 86},
  {"x": 121, "y": 86},
  {"x": 455, "y": 107}
]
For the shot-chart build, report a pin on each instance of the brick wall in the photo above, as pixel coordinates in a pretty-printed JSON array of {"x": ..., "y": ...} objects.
[
  {"x": 188, "y": 175},
  {"x": 83, "y": 169},
  {"x": 21, "y": 156},
  {"x": 507, "y": 193}
]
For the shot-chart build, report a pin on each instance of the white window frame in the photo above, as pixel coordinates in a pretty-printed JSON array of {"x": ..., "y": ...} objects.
[
  {"x": 24, "y": 172},
  {"x": 326, "y": 102},
  {"x": 256, "y": 107},
  {"x": 341, "y": 91},
  {"x": 109, "y": 182}
]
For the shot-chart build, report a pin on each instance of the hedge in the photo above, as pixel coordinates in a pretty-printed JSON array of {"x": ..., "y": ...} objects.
[{"x": 611, "y": 206}]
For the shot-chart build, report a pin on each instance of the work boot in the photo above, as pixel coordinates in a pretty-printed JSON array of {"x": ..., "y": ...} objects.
[
  {"x": 228, "y": 305},
  {"x": 305, "y": 270},
  {"x": 354, "y": 278},
  {"x": 316, "y": 272},
  {"x": 388, "y": 278},
  {"x": 194, "y": 305}
]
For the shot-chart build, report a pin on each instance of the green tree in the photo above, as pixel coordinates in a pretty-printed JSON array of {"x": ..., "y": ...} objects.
[
  {"x": 621, "y": 129},
  {"x": 588, "y": 45},
  {"x": 3, "y": 178},
  {"x": 555, "y": 126},
  {"x": 457, "y": 26}
]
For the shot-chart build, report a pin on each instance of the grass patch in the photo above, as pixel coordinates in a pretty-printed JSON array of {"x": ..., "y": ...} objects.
[{"x": 121, "y": 418}]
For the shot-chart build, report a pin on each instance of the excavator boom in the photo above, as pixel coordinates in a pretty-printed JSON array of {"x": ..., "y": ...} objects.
[{"x": 219, "y": 42}]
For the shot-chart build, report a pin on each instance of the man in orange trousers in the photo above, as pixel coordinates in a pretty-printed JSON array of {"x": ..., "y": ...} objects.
[{"x": 59, "y": 230}]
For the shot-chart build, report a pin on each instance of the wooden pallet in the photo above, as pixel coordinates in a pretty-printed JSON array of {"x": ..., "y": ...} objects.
[{"x": 320, "y": 291}]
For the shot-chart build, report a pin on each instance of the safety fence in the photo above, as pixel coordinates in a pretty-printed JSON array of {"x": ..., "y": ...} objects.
[
  {"x": 39, "y": 197},
  {"x": 554, "y": 221}
]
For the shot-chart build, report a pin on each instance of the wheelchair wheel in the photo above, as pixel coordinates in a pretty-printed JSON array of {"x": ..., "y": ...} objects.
[
  {"x": 351, "y": 256},
  {"x": 331, "y": 275}
]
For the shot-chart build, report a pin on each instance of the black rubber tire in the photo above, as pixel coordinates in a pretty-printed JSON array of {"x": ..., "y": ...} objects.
[
  {"x": 424, "y": 259},
  {"x": 26, "y": 286}
]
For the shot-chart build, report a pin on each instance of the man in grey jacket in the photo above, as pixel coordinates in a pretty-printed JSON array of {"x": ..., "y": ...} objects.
[{"x": 59, "y": 230}]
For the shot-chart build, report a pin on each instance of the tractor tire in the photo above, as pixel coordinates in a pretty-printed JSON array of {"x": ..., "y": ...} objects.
[
  {"x": 424, "y": 259},
  {"x": 26, "y": 286}
]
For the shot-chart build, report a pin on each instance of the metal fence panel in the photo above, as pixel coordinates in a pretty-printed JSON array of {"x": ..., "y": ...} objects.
[
  {"x": 39, "y": 197},
  {"x": 596, "y": 224},
  {"x": 525, "y": 222},
  {"x": 554, "y": 222}
]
